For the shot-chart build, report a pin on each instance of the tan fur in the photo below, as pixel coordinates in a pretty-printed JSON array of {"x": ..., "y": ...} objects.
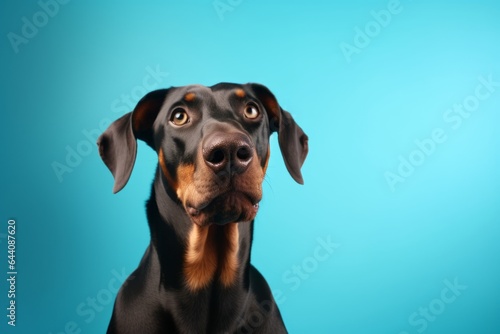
[
  {"x": 212, "y": 250},
  {"x": 266, "y": 162},
  {"x": 189, "y": 97},
  {"x": 204, "y": 258},
  {"x": 253, "y": 177},
  {"x": 201, "y": 258},
  {"x": 240, "y": 93},
  {"x": 229, "y": 261},
  {"x": 161, "y": 160},
  {"x": 185, "y": 185}
]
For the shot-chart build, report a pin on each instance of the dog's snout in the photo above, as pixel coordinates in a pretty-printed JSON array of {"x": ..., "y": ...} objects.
[{"x": 225, "y": 152}]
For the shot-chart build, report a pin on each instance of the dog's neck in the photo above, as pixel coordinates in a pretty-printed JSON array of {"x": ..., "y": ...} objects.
[{"x": 207, "y": 256}]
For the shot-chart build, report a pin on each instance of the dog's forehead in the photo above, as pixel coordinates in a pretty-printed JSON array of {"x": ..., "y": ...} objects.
[
  {"x": 219, "y": 95},
  {"x": 188, "y": 93}
]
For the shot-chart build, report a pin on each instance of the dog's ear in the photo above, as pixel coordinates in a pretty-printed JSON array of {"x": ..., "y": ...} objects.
[
  {"x": 118, "y": 146},
  {"x": 292, "y": 140}
]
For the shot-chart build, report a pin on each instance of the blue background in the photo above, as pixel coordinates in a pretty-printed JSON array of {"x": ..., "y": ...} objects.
[{"x": 397, "y": 248}]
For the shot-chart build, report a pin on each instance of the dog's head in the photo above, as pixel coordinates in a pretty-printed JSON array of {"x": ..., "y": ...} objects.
[{"x": 212, "y": 145}]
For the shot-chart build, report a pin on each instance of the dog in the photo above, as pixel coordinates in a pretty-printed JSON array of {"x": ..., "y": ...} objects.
[{"x": 213, "y": 151}]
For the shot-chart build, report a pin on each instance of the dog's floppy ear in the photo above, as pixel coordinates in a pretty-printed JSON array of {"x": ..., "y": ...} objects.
[
  {"x": 292, "y": 140},
  {"x": 118, "y": 146}
]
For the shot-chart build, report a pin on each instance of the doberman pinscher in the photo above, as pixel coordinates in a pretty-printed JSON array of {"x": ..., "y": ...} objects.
[{"x": 213, "y": 151}]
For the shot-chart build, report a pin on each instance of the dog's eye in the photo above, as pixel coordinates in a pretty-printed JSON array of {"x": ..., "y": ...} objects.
[
  {"x": 251, "y": 111},
  {"x": 179, "y": 117}
]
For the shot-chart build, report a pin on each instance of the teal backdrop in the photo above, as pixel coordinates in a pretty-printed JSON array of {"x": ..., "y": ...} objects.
[{"x": 397, "y": 227}]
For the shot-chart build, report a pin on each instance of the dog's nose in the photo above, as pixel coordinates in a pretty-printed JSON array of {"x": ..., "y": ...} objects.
[{"x": 225, "y": 152}]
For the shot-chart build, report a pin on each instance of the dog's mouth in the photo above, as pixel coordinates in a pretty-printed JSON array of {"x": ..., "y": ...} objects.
[{"x": 230, "y": 207}]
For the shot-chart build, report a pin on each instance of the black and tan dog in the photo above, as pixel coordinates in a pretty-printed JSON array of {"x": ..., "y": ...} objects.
[{"x": 213, "y": 149}]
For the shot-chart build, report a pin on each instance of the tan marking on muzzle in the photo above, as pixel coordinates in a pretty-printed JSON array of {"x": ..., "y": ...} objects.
[
  {"x": 266, "y": 161},
  {"x": 185, "y": 176},
  {"x": 170, "y": 180}
]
